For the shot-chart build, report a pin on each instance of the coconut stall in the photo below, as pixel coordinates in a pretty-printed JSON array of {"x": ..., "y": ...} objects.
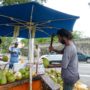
[{"x": 31, "y": 20}]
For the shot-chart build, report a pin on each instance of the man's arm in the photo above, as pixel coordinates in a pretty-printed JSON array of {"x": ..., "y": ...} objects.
[
  {"x": 66, "y": 58},
  {"x": 55, "y": 50},
  {"x": 11, "y": 51},
  {"x": 59, "y": 51}
]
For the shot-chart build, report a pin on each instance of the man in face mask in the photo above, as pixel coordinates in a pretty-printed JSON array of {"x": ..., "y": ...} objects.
[{"x": 69, "y": 65}]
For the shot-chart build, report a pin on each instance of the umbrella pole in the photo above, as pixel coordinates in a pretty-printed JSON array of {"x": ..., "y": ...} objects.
[
  {"x": 31, "y": 42},
  {"x": 31, "y": 46},
  {"x": 31, "y": 53},
  {"x": 30, "y": 60}
]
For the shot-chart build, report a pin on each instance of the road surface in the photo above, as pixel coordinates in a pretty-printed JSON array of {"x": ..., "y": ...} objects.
[{"x": 84, "y": 70}]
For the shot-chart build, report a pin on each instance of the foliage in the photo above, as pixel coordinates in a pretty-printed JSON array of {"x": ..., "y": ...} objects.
[
  {"x": 12, "y": 2},
  {"x": 39, "y": 40},
  {"x": 42, "y": 40},
  {"x": 6, "y": 41},
  {"x": 25, "y": 42},
  {"x": 77, "y": 34},
  {"x": 45, "y": 40}
]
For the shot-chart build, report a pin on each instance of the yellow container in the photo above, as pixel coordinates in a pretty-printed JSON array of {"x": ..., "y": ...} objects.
[{"x": 80, "y": 86}]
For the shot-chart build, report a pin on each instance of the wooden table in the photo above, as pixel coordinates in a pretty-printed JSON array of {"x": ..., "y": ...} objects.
[
  {"x": 23, "y": 85},
  {"x": 40, "y": 82}
]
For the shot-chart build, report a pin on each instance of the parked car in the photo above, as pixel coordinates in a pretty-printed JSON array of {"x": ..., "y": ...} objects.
[
  {"x": 83, "y": 57},
  {"x": 53, "y": 58},
  {"x": 57, "y": 58}
]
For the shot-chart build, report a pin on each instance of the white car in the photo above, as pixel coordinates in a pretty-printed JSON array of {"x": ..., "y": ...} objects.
[{"x": 53, "y": 58}]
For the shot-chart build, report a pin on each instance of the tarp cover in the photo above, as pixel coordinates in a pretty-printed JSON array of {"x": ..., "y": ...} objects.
[{"x": 44, "y": 19}]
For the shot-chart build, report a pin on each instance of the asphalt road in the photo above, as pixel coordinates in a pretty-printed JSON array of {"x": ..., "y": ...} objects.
[{"x": 84, "y": 70}]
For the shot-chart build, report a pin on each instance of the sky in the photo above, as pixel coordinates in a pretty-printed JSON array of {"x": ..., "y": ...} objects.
[{"x": 74, "y": 7}]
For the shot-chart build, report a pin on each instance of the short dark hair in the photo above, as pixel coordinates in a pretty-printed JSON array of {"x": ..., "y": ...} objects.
[
  {"x": 65, "y": 33},
  {"x": 16, "y": 43}
]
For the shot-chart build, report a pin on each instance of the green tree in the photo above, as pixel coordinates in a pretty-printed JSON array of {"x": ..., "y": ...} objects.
[
  {"x": 12, "y": 2},
  {"x": 40, "y": 40},
  {"x": 6, "y": 41},
  {"x": 77, "y": 34},
  {"x": 25, "y": 42}
]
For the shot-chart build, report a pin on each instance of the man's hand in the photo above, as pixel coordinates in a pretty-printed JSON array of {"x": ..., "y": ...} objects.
[{"x": 51, "y": 48}]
